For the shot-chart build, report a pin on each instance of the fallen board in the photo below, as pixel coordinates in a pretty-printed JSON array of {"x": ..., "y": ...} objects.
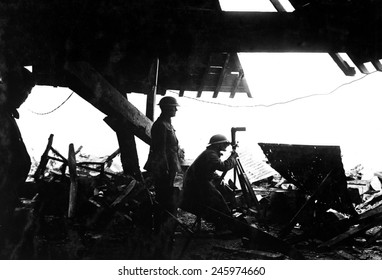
[{"x": 306, "y": 166}]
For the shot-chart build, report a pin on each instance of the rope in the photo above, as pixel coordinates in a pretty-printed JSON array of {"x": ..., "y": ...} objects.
[
  {"x": 281, "y": 102},
  {"x": 46, "y": 113}
]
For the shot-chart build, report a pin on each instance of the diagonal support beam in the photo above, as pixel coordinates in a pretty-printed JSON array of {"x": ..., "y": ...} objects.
[
  {"x": 278, "y": 6},
  {"x": 342, "y": 64},
  {"x": 205, "y": 75},
  {"x": 377, "y": 65},
  {"x": 222, "y": 76},
  {"x": 360, "y": 64},
  {"x": 91, "y": 86}
]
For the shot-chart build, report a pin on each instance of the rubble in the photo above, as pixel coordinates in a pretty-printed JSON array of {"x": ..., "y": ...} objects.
[{"x": 300, "y": 212}]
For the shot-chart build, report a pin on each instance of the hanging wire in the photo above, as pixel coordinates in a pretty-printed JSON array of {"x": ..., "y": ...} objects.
[
  {"x": 46, "y": 113},
  {"x": 281, "y": 102}
]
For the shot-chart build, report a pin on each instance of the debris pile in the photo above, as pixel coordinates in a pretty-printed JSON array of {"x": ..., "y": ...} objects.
[{"x": 300, "y": 204}]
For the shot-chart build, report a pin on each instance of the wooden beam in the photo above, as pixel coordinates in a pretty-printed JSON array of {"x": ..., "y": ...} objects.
[
  {"x": 151, "y": 96},
  {"x": 342, "y": 64},
  {"x": 205, "y": 75},
  {"x": 244, "y": 81},
  {"x": 236, "y": 83},
  {"x": 90, "y": 85},
  {"x": 278, "y": 6},
  {"x": 222, "y": 76},
  {"x": 357, "y": 229},
  {"x": 39, "y": 174},
  {"x": 127, "y": 147},
  {"x": 360, "y": 64},
  {"x": 307, "y": 204},
  {"x": 377, "y": 65},
  {"x": 73, "y": 182}
]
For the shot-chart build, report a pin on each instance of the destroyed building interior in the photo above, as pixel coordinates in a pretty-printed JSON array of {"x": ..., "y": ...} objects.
[{"x": 307, "y": 207}]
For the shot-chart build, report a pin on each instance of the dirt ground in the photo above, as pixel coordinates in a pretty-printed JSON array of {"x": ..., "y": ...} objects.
[{"x": 59, "y": 239}]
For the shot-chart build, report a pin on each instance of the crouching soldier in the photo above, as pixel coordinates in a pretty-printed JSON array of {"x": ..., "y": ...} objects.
[{"x": 200, "y": 194}]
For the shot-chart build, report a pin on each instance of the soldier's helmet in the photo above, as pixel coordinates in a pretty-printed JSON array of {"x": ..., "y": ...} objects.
[
  {"x": 218, "y": 139},
  {"x": 168, "y": 101}
]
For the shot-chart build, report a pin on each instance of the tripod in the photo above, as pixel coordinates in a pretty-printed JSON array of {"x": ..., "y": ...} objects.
[{"x": 246, "y": 188}]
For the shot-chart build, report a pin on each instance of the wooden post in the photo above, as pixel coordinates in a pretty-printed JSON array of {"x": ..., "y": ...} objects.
[
  {"x": 39, "y": 174},
  {"x": 222, "y": 75},
  {"x": 73, "y": 182},
  {"x": 127, "y": 147},
  {"x": 151, "y": 96}
]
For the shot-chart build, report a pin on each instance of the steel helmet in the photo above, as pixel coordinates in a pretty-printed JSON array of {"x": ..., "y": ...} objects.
[
  {"x": 168, "y": 101},
  {"x": 218, "y": 139}
]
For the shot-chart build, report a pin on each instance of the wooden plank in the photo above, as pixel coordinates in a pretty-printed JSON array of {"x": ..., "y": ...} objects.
[
  {"x": 350, "y": 233},
  {"x": 236, "y": 83},
  {"x": 278, "y": 6},
  {"x": 151, "y": 96},
  {"x": 222, "y": 75},
  {"x": 374, "y": 238},
  {"x": 307, "y": 203},
  {"x": 90, "y": 85},
  {"x": 73, "y": 182},
  {"x": 342, "y": 64},
  {"x": 252, "y": 253},
  {"x": 127, "y": 147},
  {"x": 358, "y": 63},
  {"x": 44, "y": 160},
  {"x": 58, "y": 154},
  {"x": 370, "y": 213},
  {"x": 345, "y": 255},
  {"x": 377, "y": 65},
  {"x": 124, "y": 194},
  {"x": 204, "y": 78},
  {"x": 246, "y": 185}
]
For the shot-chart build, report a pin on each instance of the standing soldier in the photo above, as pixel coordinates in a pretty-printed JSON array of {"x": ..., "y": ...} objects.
[
  {"x": 15, "y": 87},
  {"x": 164, "y": 161}
]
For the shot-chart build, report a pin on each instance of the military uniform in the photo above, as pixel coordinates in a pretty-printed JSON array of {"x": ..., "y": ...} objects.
[
  {"x": 163, "y": 161},
  {"x": 14, "y": 167},
  {"x": 199, "y": 191}
]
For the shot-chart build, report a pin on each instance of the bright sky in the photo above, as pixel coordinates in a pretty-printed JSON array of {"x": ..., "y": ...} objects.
[{"x": 349, "y": 116}]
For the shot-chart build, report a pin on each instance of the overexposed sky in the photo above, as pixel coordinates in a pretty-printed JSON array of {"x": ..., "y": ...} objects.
[{"x": 348, "y": 116}]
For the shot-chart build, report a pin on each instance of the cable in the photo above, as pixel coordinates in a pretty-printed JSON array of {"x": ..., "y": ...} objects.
[
  {"x": 281, "y": 102},
  {"x": 46, "y": 113}
]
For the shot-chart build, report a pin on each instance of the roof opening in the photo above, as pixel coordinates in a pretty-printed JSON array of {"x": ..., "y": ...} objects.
[{"x": 256, "y": 6}]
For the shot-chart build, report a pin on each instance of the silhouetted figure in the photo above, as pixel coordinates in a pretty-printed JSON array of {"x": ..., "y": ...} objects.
[
  {"x": 15, "y": 162},
  {"x": 163, "y": 163},
  {"x": 200, "y": 194}
]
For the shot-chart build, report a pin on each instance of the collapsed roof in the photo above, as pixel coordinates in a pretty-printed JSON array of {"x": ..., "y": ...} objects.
[{"x": 194, "y": 40}]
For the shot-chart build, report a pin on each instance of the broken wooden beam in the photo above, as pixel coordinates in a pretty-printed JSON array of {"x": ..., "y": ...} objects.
[
  {"x": 151, "y": 96},
  {"x": 342, "y": 64},
  {"x": 44, "y": 160},
  {"x": 204, "y": 78},
  {"x": 263, "y": 255},
  {"x": 351, "y": 232},
  {"x": 90, "y": 85},
  {"x": 238, "y": 79},
  {"x": 124, "y": 194},
  {"x": 374, "y": 238},
  {"x": 307, "y": 203},
  {"x": 222, "y": 75},
  {"x": 73, "y": 181}
]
